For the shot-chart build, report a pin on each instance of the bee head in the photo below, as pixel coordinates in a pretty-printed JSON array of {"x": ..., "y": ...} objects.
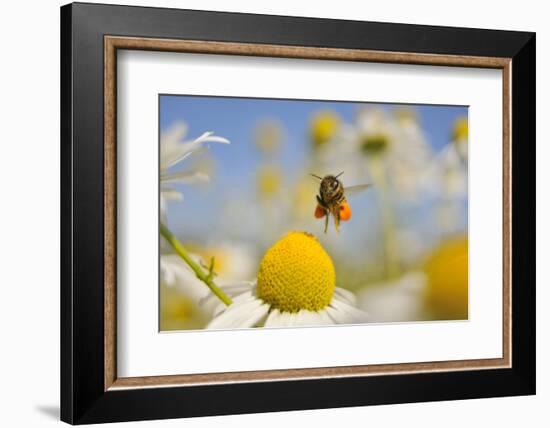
[
  {"x": 330, "y": 186},
  {"x": 333, "y": 183}
]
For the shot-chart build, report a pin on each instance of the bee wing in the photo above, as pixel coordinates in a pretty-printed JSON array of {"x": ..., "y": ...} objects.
[{"x": 354, "y": 190}]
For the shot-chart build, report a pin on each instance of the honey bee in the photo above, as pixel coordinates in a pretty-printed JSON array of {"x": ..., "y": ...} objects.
[{"x": 331, "y": 199}]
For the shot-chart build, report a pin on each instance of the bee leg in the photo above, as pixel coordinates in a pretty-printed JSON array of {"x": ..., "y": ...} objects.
[
  {"x": 337, "y": 222},
  {"x": 326, "y": 222}
]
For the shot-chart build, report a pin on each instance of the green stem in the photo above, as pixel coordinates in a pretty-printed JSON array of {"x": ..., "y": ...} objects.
[
  {"x": 390, "y": 245},
  {"x": 182, "y": 252}
]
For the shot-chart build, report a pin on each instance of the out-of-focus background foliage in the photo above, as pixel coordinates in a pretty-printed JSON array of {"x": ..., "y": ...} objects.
[{"x": 404, "y": 253}]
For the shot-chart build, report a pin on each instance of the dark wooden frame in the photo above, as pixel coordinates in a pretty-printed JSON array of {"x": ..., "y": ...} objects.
[{"x": 90, "y": 35}]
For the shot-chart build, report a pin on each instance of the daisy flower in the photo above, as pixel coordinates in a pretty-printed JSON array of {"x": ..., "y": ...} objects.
[
  {"x": 180, "y": 295},
  {"x": 173, "y": 150},
  {"x": 398, "y": 143},
  {"x": 295, "y": 287},
  {"x": 174, "y": 273},
  {"x": 453, "y": 162},
  {"x": 447, "y": 180}
]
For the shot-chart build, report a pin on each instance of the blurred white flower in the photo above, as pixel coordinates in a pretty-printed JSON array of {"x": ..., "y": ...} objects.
[
  {"x": 234, "y": 261},
  {"x": 447, "y": 180},
  {"x": 398, "y": 143},
  {"x": 447, "y": 176},
  {"x": 173, "y": 150},
  {"x": 450, "y": 172},
  {"x": 395, "y": 301},
  {"x": 181, "y": 294},
  {"x": 174, "y": 272}
]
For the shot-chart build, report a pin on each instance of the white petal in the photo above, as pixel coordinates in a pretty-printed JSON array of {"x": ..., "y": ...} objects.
[
  {"x": 295, "y": 318},
  {"x": 325, "y": 317},
  {"x": 174, "y": 134},
  {"x": 256, "y": 317},
  {"x": 217, "y": 306},
  {"x": 185, "y": 149},
  {"x": 309, "y": 318},
  {"x": 343, "y": 313},
  {"x": 337, "y": 316},
  {"x": 168, "y": 195},
  {"x": 169, "y": 140},
  {"x": 301, "y": 318},
  {"x": 170, "y": 143},
  {"x": 285, "y": 319},
  {"x": 241, "y": 290},
  {"x": 183, "y": 277},
  {"x": 167, "y": 275},
  {"x": 239, "y": 313},
  {"x": 209, "y": 137},
  {"x": 184, "y": 177},
  {"x": 273, "y": 319},
  {"x": 236, "y": 288},
  {"x": 345, "y": 295}
]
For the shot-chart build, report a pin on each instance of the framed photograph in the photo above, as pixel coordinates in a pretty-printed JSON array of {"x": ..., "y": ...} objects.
[{"x": 265, "y": 213}]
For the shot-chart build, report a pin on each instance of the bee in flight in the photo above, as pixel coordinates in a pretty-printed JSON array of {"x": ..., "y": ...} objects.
[{"x": 331, "y": 199}]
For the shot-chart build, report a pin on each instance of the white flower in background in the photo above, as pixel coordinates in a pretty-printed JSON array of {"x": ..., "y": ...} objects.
[
  {"x": 446, "y": 179},
  {"x": 234, "y": 261},
  {"x": 174, "y": 272},
  {"x": 295, "y": 287},
  {"x": 395, "y": 147},
  {"x": 398, "y": 300},
  {"x": 451, "y": 173},
  {"x": 447, "y": 175},
  {"x": 173, "y": 150},
  {"x": 450, "y": 168},
  {"x": 180, "y": 295}
]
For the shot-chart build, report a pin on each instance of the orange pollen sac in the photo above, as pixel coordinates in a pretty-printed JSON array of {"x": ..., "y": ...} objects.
[
  {"x": 345, "y": 211},
  {"x": 320, "y": 212}
]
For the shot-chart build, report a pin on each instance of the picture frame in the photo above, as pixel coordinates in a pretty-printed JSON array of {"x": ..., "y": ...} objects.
[{"x": 91, "y": 35}]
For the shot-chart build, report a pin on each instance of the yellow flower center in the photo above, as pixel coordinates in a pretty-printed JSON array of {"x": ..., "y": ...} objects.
[
  {"x": 269, "y": 181},
  {"x": 296, "y": 273},
  {"x": 374, "y": 144},
  {"x": 324, "y": 126}
]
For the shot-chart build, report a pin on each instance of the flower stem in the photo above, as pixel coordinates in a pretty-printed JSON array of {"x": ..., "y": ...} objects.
[
  {"x": 391, "y": 256},
  {"x": 204, "y": 277}
]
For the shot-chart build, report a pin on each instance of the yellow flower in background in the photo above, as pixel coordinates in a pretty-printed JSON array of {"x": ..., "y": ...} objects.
[
  {"x": 374, "y": 130},
  {"x": 270, "y": 181},
  {"x": 460, "y": 130},
  {"x": 233, "y": 261},
  {"x": 460, "y": 137},
  {"x": 295, "y": 286},
  {"x": 178, "y": 311},
  {"x": 180, "y": 294},
  {"x": 375, "y": 143},
  {"x": 447, "y": 280},
  {"x": 324, "y": 126},
  {"x": 303, "y": 198},
  {"x": 268, "y": 137}
]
